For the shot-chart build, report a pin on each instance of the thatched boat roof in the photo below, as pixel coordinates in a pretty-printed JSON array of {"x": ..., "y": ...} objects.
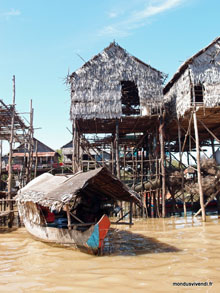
[{"x": 55, "y": 191}]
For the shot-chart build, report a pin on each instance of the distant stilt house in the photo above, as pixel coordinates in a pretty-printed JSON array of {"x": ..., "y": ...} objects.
[
  {"x": 113, "y": 96},
  {"x": 88, "y": 162},
  {"x": 45, "y": 157}
]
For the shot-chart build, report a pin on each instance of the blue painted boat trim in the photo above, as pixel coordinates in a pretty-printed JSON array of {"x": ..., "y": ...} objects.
[{"x": 93, "y": 240}]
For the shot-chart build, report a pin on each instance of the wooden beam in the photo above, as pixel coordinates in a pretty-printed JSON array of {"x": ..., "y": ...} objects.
[
  {"x": 68, "y": 216},
  {"x": 74, "y": 138},
  {"x": 209, "y": 131},
  {"x": 117, "y": 149},
  {"x": 162, "y": 155},
  {"x": 181, "y": 169},
  {"x": 10, "y": 146},
  {"x": 199, "y": 167}
]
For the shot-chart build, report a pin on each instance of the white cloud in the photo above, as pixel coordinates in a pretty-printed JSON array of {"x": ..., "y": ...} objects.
[
  {"x": 136, "y": 19},
  {"x": 10, "y": 13},
  {"x": 151, "y": 10},
  {"x": 113, "y": 31},
  {"x": 112, "y": 14}
]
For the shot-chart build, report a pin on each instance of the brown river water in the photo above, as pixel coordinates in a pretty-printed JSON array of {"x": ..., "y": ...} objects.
[{"x": 149, "y": 257}]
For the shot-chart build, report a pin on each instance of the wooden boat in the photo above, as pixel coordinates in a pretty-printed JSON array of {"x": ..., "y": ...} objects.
[{"x": 72, "y": 210}]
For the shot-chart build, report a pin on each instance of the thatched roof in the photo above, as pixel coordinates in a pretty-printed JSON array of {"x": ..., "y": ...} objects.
[
  {"x": 185, "y": 65},
  {"x": 55, "y": 191},
  {"x": 200, "y": 72},
  {"x": 96, "y": 88}
]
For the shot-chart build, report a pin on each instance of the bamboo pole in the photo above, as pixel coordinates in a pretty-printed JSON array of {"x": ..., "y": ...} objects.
[
  {"x": 131, "y": 213},
  {"x": 10, "y": 175},
  {"x": 162, "y": 154},
  {"x": 68, "y": 216},
  {"x": 113, "y": 157},
  {"x": 213, "y": 147},
  {"x": 209, "y": 131},
  {"x": 117, "y": 149},
  {"x": 182, "y": 175},
  {"x": 36, "y": 159},
  {"x": 0, "y": 161},
  {"x": 199, "y": 167},
  {"x": 29, "y": 154},
  {"x": 74, "y": 138},
  {"x": 31, "y": 139},
  {"x": 124, "y": 160},
  {"x": 187, "y": 133}
]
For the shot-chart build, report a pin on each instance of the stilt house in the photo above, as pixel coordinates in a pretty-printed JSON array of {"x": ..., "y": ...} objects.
[
  {"x": 88, "y": 162},
  {"x": 196, "y": 87},
  {"x": 197, "y": 82},
  {"x": 113, "y": 95},
  {"x": 45, "y": 157}
]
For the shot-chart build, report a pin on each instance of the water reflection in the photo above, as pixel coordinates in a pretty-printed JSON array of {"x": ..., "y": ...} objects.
[{"x": 129, "y": 243}]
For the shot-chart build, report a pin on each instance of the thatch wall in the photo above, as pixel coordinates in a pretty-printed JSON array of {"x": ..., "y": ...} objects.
[
  {"x": 96, "y": 86},
  {"x": 201, "y": 69}
]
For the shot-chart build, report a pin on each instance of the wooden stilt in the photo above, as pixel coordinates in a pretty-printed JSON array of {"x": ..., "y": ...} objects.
[
  {"x": 199, "y": 167},
  {"x": 31, "y": 140},
  {"x": 117, "y": 150},
  {"x": 0, "y": 161},
  {"x": 162, "y": 155},
  {"x": 68, "y": 216},
  {"x": 74, "y": 140},
  {"x": 213, "y": 147},
  {"x": 131, "y": 212},
  {"x": 124, "y": 161},
  {"x": 181, "y": 169},
  {"x": 10, "y": 170},
  {"x": 113, "y": 154},
  {"x": 36, "y": 159}
]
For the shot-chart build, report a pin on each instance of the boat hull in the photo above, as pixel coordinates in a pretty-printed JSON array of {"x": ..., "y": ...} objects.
[{"x": 90, "y": 241}]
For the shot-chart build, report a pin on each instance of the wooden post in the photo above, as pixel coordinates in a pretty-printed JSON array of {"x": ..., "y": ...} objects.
[
  {"x": 162, "y": 154},
  {"x": 68, "y": 216},
  {"x": 0, "y": 161},
  {"x": 10, "y": 146},
  {"x": 133, "y": 172},
  {"x": 142, "y": 169},
  {"x": 74, "y": 133},
  {"x": 36, "y": 159},
  {"x": 180, "y": 166},
  {"x": 117, "y": 149},
  {"x": 113, "y": 154},
  {"x": 213, "y": 147},
  {"x": 31, "y": 140},
  {"x": 199, "y": 167},
  {"x": 124, "y": 160},
  {"x": 131, "y": 212}
]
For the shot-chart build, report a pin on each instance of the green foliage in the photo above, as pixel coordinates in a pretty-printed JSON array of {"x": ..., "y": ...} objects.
[{"x": 60, "y": 159}]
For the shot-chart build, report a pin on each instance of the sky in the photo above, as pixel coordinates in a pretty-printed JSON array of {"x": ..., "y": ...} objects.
[{"x": 42, "y": 41}]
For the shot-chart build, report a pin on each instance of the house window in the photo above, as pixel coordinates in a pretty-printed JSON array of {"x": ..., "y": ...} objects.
[
  {"x": 130, "y": 98},
  {"x": 198, "y": 93}
]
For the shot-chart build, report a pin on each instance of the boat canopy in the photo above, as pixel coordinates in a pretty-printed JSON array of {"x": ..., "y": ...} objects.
[{"x": 56, "y": 191}]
